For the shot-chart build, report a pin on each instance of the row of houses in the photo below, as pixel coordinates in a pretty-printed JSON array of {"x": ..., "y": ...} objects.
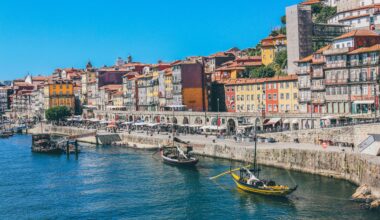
[{"x": 342, "y": 77}]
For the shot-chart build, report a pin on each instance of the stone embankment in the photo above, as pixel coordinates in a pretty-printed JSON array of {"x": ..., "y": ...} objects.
[
  {"x": 349, "y": 134},
  {"x": 363, "y": 170}
]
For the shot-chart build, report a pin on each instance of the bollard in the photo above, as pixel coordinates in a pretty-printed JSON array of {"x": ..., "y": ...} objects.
[
  {"x": 67, "y": 149},
  {"x": 76, "y": 149}
]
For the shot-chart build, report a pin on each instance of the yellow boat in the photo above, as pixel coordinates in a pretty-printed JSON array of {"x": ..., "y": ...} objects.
[{"x": 248, "y": 182}]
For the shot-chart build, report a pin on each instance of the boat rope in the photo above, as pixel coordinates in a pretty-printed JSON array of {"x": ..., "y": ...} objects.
[
  {"x": 227, "y": 172},
  {"x": 291, "y": 177}
]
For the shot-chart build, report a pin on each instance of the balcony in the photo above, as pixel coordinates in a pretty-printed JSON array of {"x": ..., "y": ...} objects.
[
  {"x": 177, "y": 92},
  {"x": 177, "y": 81},
  {"x": 336, "y": 51},
  {"x": 320, "y": 100},
  {"x": 361, "y": 80},
  {"x": 303, "y": 71},
  {"x": 336, "y": 82},
  {"x": 304, "y": 99},
  {"x": 304, "y": 85},
  {"x": 317, "y": 74},
  {"x": 318, "y": 87}
]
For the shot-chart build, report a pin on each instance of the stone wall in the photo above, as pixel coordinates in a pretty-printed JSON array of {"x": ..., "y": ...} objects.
[{"x": 349, "y": 134}]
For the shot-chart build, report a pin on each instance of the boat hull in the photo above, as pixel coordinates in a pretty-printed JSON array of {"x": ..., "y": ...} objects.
[
  {"x": 280, "y": 192},
  {"x": 185, "y": 163}
]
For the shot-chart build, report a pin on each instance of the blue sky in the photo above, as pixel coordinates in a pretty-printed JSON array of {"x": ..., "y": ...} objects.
[{"x": 41, "y": 35}]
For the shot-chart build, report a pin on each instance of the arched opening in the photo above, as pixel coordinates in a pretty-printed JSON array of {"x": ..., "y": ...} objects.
[
  {"x": 174, "y": 120},
  {"x": 130, "y": 118},
  {"x": 231, "y": 126},
  {"x": 185, "y": 121},
  {"x": 146, "y": 119},
  {"x": 157, "y": 119},
  {"x": 198, "y": 121}
]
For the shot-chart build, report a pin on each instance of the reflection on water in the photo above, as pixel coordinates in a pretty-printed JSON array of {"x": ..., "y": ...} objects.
[{"x": 123, "y": 183}]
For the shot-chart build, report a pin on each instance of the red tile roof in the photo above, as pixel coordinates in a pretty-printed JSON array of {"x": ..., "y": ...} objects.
[
  {"x": 373, "y": 48},
  {"x": 358, "y": 33}
]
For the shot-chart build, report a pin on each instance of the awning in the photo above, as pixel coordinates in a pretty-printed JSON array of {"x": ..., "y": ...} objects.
[
  {"x": 364, "y": 102},
  {"x": 89, "y": 107},
  {"x": 295, "y": 121},
  {"x": 286, "y": 121},
  {"x": 272, "y": 121},
  {"x": 328, "y": 117},
  {"x": 175, "y": 106}
]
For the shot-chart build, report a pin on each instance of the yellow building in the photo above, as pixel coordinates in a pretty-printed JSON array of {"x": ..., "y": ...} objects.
[
  {"x": 272, "y": 95},
  {"x": 59, "y": 93},
  {"x": 288, "y": 94},
  {"x": 249, "y": 95},
  {"x": 270, "y": 46},
  {"x": 169, "y": 88}
]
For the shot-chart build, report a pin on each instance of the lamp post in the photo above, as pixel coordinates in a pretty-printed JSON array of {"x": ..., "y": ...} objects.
[{"x": 217, "y": 118}]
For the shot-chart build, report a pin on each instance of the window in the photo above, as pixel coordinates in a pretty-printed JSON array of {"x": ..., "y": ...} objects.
[
  {"x": 269, "y": 96},
  {"x": 269, "y": 107},
  {"x": 274, "y": 96},
  {"x": 295, "y": 95},
  {"x": 287, "y": 96},
  {"x": 282, "y": 96}
]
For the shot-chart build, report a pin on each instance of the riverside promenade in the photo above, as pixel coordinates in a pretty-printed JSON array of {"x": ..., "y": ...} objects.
[{"x": 335, "y": 162}]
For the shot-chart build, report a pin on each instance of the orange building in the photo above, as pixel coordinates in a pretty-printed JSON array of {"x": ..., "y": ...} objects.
[{"x": 59, "y": 92}]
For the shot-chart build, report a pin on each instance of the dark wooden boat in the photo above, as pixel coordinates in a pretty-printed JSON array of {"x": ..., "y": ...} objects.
[
  {"x": 43, "y": 143},
  {"x": 176, "y": 156},
  {"x": 6, "y": 134}
]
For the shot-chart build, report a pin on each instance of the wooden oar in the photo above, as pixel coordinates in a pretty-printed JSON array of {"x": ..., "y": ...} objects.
[{"x": 227, "y": 172}]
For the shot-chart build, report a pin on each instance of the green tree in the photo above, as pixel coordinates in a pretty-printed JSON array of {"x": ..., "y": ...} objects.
[
  {"x": 281, "y": 59},
  {"x": 322, "y": 13},
  {"x": 261, "y": 72},
  {"x": 256, "y": 51},
  {"x": 58, "y": 113}
]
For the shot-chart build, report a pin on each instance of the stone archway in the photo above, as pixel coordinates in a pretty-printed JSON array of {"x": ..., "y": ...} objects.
[
  {"x": 185, "y": 121},
  {"x": 174, "y": 120},
  {"x": 198, "y": 121},
  {"x": 146, "y": 119},
  {"x": 130, "y": 118},
  {"x": 231, "y": 126},
  {"x": 157, "y": 119}
]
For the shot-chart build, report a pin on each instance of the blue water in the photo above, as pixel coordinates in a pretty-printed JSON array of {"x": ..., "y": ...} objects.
[{"x": 110, "y": 182}]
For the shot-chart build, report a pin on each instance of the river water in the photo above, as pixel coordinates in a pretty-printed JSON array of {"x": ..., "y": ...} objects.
[{"x": 110, "y": 182}]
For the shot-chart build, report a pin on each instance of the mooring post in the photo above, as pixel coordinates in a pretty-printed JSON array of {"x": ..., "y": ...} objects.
[
  {"x": 67, "y": 149},
  {"x": 76, "y": 149},
  {"x": 97, "y": 140}
]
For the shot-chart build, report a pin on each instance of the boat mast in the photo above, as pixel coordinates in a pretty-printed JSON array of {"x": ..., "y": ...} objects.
[
  {"x": 255, "y": 156},
  {"x": 173, "y": 127}
]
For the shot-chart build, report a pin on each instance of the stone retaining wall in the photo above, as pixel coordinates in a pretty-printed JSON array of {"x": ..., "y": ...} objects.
[{"x": 350, "y": 134}]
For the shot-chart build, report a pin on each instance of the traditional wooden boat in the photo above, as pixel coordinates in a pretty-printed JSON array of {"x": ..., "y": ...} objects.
[
  {"x": 248, "y": 182},
  {"x": 176, "y": 156},
  {"x": 6, "y": 134},
  {"x": 248, "y": 179},
  {"x": 42, "y": 143}
]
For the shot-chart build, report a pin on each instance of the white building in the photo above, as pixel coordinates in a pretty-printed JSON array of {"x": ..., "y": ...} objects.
[{"x": 359, "y": 14}]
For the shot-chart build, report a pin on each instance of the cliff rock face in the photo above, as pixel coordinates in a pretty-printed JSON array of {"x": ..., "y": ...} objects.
[
  {"x": 375, "y": 204},
  {"x": 363, "y": 194}
]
